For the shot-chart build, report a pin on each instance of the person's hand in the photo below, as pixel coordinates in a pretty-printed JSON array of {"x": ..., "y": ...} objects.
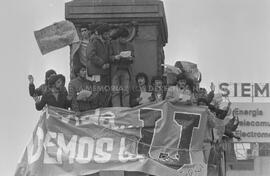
[
  {"x": 117, "y": 57},
  {"x": 37, "y": 99},
  {"x": 229, "y": 104},
  {"x": 31, "y": 79},
  {"x": 105, "y": 66},
  {"x": 139, "y": 99},
  {"x": 212, "y": 87}
]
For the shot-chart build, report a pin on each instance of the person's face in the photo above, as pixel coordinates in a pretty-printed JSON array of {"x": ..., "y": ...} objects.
[
  {"x": 85, "y": 33},
  {"x": 158, "y": 84},
  {"x": 59, "y": 83},
  {"x": 122, "y": 40},
  {"x": 106, "y": 36},
  {"x": 181, "y": 83},
  {"x": 141, "y": 81},
  {"x": 82, "y": 73}
]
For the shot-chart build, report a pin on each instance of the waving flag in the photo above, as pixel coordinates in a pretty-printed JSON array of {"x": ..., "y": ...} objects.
[{"x": 56, "y": 36}]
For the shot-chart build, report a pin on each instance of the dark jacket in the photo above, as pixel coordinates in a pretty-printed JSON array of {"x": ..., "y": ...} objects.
[
  {"x": 97, "y": 53},
  {"x": 49, "y": 99},
  {"x": 40, "y": 90},
  {"x": 75, "y": 86},
  {"x": 134, "y": 94},
  {"x": 37, "y": 91},
  {"x": 115, "y": 49}
]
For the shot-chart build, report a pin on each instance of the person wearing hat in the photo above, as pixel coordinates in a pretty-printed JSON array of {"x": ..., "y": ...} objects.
[
  {"x": 34, "y": 92},
  {"x": 54, "y": 96},
  {"x": 121, "y": 58},
  {"x": 81, "y": 92},
  {"x": 182, "y": 91}
]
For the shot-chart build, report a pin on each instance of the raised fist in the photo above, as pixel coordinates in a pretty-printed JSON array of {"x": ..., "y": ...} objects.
[
  {"x": 212, "y": 86},
  {"x": 30, "y": 79}
]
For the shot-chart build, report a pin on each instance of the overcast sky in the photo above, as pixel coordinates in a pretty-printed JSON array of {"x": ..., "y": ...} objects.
[{"x": 228, "y": 39}]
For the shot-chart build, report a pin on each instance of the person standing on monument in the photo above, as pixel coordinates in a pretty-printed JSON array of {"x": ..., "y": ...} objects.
[
  {"x": 55, "y": 95},
  {"x": 98, "y": 67},
  {"x": 85, "y": 34},
  {"x": 81, "y": 92},
  {"x": 140, "y": 92},
  {"x": 121, "y": 58}
]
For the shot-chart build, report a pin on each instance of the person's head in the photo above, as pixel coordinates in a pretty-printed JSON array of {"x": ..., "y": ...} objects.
[
  {"x": 48, "y": 74},
  {"x": 63, "y": 79},
  {"x": 181, "y": 81},
  {"x": 141, "y": 79},
  {"x": 122, "y": 34},
  {"x": 217, "y": 100},
  {"x": 157, "y": 83},
  {"x": 80, "y": 71},
  {"x": 202, "y": 93},
  {"x": 85, "y": 31},
  {"x": 56, "y": 81},
  {"x": 102, "y": 30}
]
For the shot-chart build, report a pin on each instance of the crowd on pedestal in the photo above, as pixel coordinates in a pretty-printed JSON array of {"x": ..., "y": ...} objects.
[{"x": 103, "y": 77}]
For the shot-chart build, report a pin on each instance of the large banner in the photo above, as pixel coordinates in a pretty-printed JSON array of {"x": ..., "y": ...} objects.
[
  {"x": 160, "y": 139},
  {"x": 254, "y": 123},
  {"x": 56, "y": 36}
]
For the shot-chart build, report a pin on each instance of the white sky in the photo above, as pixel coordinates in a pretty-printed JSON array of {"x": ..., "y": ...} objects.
[{"x": 228, "y": 39}]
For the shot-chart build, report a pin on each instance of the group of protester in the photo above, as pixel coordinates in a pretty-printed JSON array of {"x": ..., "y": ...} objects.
[{"x": 103, "y": 78}]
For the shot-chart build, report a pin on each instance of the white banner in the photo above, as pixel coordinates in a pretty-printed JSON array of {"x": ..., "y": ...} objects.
[{"x": 254, "y": 123}]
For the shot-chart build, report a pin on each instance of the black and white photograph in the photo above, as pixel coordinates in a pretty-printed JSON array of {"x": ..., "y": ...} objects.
[{"x": 135, "y": 88}]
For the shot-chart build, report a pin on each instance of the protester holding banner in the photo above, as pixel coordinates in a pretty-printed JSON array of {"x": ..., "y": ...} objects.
[
  {"x": 42, "y": 88},
  {"x": 121, "y": 58},
  {"x": 55, "y": 96}
]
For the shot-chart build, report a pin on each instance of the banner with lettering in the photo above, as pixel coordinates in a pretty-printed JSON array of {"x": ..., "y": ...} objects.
[
  {"x": 160, "y": 139},
  {"x": 254, "y": 121},
  {"x": 56, "y": 36}
]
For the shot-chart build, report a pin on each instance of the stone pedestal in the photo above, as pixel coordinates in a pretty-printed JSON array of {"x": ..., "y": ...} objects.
[{"x": 152, "y": 28}]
